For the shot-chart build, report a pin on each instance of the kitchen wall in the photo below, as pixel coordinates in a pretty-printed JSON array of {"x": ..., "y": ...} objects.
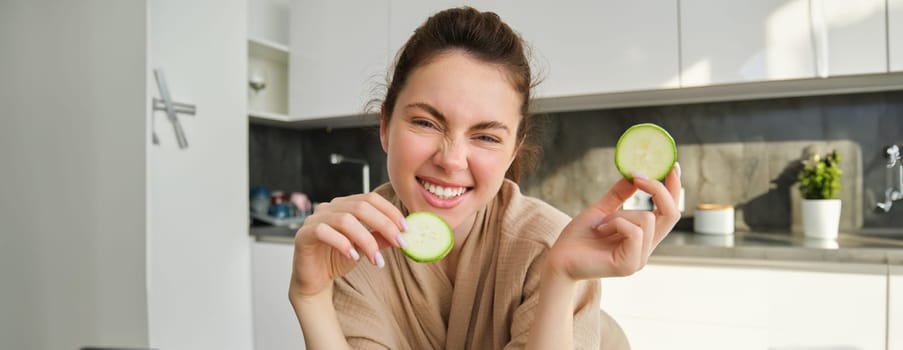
[
  {"x": 293, "y": 160},
  {"x": 742, "y": 153}
]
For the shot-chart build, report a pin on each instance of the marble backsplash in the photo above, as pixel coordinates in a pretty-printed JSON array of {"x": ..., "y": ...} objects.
[{"x": 740, "y": 153}]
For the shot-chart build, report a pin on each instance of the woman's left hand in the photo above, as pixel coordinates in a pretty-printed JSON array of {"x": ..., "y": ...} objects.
[{"x": 603, "y": 241}]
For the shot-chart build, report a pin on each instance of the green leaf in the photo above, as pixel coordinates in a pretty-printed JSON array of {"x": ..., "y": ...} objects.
[{"x": 819, "y": 177}]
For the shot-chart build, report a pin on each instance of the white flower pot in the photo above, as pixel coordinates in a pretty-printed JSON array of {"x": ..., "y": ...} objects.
[{"x": 821, "y": 218}]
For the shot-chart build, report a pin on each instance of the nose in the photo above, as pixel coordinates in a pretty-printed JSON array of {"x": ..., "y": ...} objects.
[{"x": 451, "y": 155}]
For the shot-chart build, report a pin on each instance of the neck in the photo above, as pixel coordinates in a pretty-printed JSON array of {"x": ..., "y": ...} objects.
[
  {"x": 450, "y": 263},
  {"x": 462, "y": 231}
]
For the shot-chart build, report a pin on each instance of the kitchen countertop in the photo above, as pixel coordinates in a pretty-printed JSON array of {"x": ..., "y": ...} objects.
[
  {"x": 849, "y": 248},
  {"x": 745, "y": 248},
  {"x": 274, "y": 234}
]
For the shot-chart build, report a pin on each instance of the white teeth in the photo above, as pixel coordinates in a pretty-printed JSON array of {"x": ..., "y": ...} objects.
[{"x": 443, "y": 192}]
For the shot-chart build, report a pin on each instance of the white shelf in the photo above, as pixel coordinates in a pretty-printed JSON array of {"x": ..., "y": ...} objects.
[
  {"x": 268, "y": 60},
  {"x": 268, "y": 49},
  {"x": 271, "y": 116},
  {"x": 293, "y": 122},
  {"x": 724, "y": 92}
]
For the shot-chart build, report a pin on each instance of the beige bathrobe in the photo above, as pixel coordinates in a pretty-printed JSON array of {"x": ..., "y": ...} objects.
[{"x": 490, "y": 305}]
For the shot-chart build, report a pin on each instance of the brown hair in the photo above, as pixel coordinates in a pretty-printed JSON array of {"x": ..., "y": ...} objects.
[{"x": 484, "y": 36}]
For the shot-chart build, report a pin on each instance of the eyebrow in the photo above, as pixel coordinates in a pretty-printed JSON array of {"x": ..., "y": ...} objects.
[{"x": 438, "y": 115}]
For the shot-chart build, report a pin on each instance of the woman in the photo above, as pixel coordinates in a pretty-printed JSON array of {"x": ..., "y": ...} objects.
[{"x": 521, "y": 274}]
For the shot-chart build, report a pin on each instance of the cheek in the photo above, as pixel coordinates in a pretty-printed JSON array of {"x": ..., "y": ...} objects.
[
  {"x": 491, "y": 165},
  {"x": 407, "y": 151}
]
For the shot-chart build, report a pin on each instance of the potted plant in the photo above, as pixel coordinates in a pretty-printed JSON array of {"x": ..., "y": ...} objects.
[{"x": 819, "y": 180}]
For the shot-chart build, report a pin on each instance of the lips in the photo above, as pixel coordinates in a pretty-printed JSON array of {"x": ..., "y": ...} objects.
[{"x": 442, "y": 195}]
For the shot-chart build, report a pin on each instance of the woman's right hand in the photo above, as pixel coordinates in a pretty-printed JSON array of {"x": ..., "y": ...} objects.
[{"x": 337, "y": 235}]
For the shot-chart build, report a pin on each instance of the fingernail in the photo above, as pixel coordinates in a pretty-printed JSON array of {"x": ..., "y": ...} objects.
[
  {"x": 600, "y": 226},
  {"x": 639, "y": 175},
  {"x": 380, "y": 262},
  {"x": 677, "y": 165},
  {"x": 401, "y": 241},
  {"x": 404, "y": 223},
  {"x": 354, "y": 254}
]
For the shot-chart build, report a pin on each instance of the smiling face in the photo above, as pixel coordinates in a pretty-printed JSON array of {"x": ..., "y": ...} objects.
[{"x": 452, "y": 135}]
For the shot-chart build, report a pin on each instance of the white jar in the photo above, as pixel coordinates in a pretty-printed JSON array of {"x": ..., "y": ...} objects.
[{"x": 714, "y": 219}]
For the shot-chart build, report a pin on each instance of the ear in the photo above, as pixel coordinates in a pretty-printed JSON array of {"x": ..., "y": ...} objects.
[{"x": 383, "y": 131}]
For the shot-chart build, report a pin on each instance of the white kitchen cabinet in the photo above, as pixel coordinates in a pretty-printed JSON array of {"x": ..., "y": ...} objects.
[
  {"x": 706, "y": 307},
  {"x": 737, "y": 41},
  {"x": 582, "y": 47},
  {"x": 585, "y": 47},
  {"x": 592, "y": 55},
  {"x": 827, "y": 309},
  {"x": 594, "y": 47},
  {"x": 268, "y": 21},
  {"x": 268, "y": 76},
  {"x": 679, "y": 307},
  {"x": 895, "y": 34},
  {"x": 108, "y": 239},
  {"x": 339, "y": 55},
  {"x": 275, "y": 324},
  {"x": 268, "y": 55},
  {"x": 850, "y": 37},
  {"x": 895, "y": 308}
]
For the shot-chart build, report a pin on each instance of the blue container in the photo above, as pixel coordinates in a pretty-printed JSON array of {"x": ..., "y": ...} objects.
[
  {"x": 260, "y": 191},
  {"x": 280, "y": 210}
]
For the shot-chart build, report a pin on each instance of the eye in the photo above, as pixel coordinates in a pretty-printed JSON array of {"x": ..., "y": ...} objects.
[
  {"x": 423, "y": 123},
  {"x": 488, "y": 138}
]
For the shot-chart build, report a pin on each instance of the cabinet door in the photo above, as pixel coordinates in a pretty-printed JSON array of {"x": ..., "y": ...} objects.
[
  {"x": 339, "y": 54},
  {"x": 827, "y": 310},
  {"x": 850, "y": 36},
  {"x": 690, "y": 307},
  {"x": 589, "y": 47},
  {"x": 706, "y": 307},
  {"x": 275, "y": 325},
  {"x": 732, "y": 41},
  {"x": 268, "y": 21},
  {"x": 895, "y": 309},
  {"x": 895, "y": 34},
  {"x": 268, "y": 58},
  {"x": 198, "y": 259}
]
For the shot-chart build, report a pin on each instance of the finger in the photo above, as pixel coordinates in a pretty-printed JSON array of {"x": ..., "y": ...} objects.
[
  {"x": 388, "y": 209},
  {"x": 375, "y": 220},
  {"x": 672, "y": 182},
  {"x": 665, "y": 205},
  {"x": 348, "y": 225},
  {"x": 615, "y": 197},
  {"x": 378, "y": 202},
  {"x": 643, "y": 219},
  {"x": 661, "y": 195},
  {"x": 382, "y": 242},
  {"x": 328, "y": 235},
  {"x": 608, "y": 233},
  {"x": 629, "y": 254}
]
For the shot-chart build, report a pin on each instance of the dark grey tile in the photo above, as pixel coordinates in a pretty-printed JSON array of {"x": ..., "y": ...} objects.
[{"x": 742, "y": 152}]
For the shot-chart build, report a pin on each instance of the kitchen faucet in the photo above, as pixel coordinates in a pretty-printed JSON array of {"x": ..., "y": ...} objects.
[
  {"x": 892, "y": 194},
  {"x": 336, "y": 158}
]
